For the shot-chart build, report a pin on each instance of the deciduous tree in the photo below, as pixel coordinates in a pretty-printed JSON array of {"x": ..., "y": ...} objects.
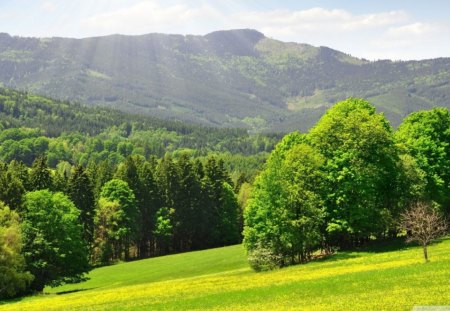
[
  {"x": 13, "y": 277},
  {"x": 54, "y": 249},
  {"x": 423, "y": 225}
]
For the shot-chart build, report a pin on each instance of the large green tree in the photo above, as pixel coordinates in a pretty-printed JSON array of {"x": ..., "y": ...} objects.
[
  {"x": 362, "y": 170},
  {"x": 284, "y": 216},
  {"x": 54, "y": 249},
  {"x": 425, "y": 135},
  {"x": 13, "y": 278}
]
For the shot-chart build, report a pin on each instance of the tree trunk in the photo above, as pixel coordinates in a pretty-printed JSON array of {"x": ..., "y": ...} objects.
[{"x": 425, "y": 252}]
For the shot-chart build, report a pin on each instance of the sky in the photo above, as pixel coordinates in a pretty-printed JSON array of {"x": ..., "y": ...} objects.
[{"x": 371, "y": 29}]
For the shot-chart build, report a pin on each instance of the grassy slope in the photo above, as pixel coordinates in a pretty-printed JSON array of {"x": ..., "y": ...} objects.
[{"x": 395, "y": 279}]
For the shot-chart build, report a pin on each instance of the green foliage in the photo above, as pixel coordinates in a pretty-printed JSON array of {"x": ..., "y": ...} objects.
[
  {"x": 228, "y": 216},
  {"x": 81, "y": 193},
  {"x": 285, "y": 214},
  {"x": 242, "y": 197},
  {"x": 107, "y": 233},
  {"x": 163, "y": 229},
  {"x": 40, "y": 177},
  {"x": 425, "y": 136},
  {"x": 117, "y": 190},
  {"x": 261, "y": 258},
  {"x": 188, "y": 205},
  {"x": 340, "y": 184},
  {"x": 13, "y": 279},
  {"x": 361, "y": 169},
  {"x": 54, "y": 249},
  {"x": 11, "y": 187}
]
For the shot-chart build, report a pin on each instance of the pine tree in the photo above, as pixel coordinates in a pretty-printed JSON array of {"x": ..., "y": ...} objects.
[
  {"x": 40, "y": 177},
  {"x": 168, "y": 180},
  {"x": 11, "y": 188},
  {"x": 150, "y": 204},
  {"x": 81, "y": 193},
  {"x": 187, "y": 207}
]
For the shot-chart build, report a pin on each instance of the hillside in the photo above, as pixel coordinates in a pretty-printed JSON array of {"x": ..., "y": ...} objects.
[
  {"x": 237, "y": 78},
  {"x": 389, "y": 277}
]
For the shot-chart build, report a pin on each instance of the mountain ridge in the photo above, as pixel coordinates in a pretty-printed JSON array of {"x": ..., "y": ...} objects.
[{"x": 229, "y": 78}]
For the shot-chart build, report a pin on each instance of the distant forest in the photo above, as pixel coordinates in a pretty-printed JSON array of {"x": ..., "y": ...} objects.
[{"x": 66, "y": 132}]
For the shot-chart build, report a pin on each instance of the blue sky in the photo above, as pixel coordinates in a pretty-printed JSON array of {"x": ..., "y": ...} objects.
[{"x": 396, "y": 29}]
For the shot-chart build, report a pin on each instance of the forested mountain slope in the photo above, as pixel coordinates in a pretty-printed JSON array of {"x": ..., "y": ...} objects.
[
  {"x": 236, "y": 78},
  {"x": 32, "y": 125}
]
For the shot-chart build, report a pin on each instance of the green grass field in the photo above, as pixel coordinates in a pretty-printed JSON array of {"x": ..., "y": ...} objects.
[{"x": 381, "y": 278}]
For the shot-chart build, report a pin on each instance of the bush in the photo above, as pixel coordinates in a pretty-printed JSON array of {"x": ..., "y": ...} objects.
[{"x": 264, "y": 259}]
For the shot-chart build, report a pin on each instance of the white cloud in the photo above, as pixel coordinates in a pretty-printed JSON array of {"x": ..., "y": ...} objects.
[
  {"x": 149, "y": 16},
  {"x": 320, "y": 19},
  {"x": 48, "y": 6},
  {"x": 373, "y": 35},
  {"x": 416, "y": 30},
  {"x": 412, "y": 41}
]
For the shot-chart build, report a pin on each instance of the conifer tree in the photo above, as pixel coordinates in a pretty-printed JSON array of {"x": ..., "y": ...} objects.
[
  {"x": 40, "y": 176},
  {"x": 81, "y": 193}
]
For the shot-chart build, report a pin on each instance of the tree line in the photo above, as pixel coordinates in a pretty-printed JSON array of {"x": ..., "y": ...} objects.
[
  {"x": 56, "y": 224},
  {"x": 345, "y": 182}
]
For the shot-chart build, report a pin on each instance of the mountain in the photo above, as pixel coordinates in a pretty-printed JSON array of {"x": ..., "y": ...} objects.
[{"x": 236, "y": 78}]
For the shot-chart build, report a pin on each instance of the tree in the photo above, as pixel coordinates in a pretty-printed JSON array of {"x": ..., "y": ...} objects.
[
  {"x": 149, "y": 205},
  {"x": 107, "y": 233},
  {"x": 168, "y": 179},
  {"x": 228, "y": 217},
  {"x": 186, "y": 213},
  {"x": 81, "y": 193},
  {"x": 163, "y": 229},
  {"x": 100, "y": 175},
  {"x": 304, "y": 213},
  {"x": 117, "y": 190},
  {"x": 13, "y": 278},
  {"x": 20, "y": 171},
  {"x": 40, "y": 177},
  {"x": 54, "y": 249},
  {"x": 11, "y": 189},
  {"x": 243, "y": 197},
  {"x": 362, "y": 171},
  {"x": 139, "y": 176},
  {"x": 284, "y": 216},
  {"x": 423, "y": 225},
  {"x": 61, "y": 176},
  {"x": 425, "y": 135}
]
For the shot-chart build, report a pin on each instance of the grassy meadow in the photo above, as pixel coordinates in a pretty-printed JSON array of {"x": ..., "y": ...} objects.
[{"x": 392, "y": 277}]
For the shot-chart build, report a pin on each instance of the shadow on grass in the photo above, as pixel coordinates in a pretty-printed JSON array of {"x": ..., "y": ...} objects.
[
  {"x": 73, "y": 291},
  {"x": 391, "y": 245},
  {"x": 335, "y": 257},
  {"x": 12, "y": 300},
  {"x": 18, "y": 299},
  {"x": 383, "y": 246},
  {"x": 380, "y": 246}
]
